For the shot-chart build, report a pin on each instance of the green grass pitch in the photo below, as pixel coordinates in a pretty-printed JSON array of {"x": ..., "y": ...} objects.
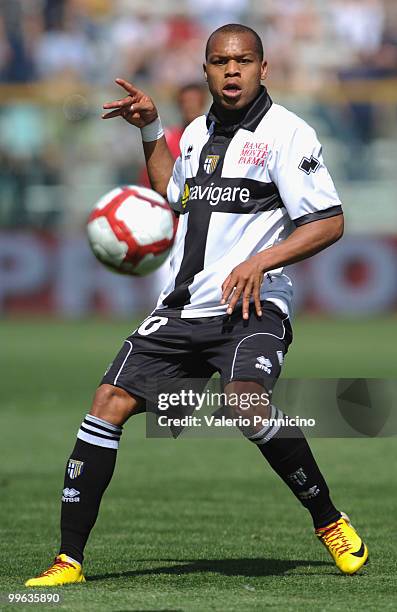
[{"x": 192, "y": 524}]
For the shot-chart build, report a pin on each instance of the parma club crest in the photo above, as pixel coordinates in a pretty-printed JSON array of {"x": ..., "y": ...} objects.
[
  {"x": 210, "y": 163},
  {"x": 75, "y": 468}
]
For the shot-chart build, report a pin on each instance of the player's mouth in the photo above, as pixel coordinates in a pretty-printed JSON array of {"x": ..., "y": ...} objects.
[{"x": 232, "y": 90}]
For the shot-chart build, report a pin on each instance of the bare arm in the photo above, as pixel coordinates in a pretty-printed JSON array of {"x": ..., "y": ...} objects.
[
  {"x": 159, "y": 164},
  {"x": 305, "y": 241},
  {"x": 245, "y": 279},
  {"x": 139, "y": 110}
]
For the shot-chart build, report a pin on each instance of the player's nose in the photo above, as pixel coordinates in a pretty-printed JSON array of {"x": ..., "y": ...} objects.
[{"x": 232, "y": 68}]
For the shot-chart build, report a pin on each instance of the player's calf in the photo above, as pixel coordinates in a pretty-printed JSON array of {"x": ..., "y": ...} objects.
[
  {"x": 89, "y": 470},
  {"x": 286, "y": 449},
  {"x": 90, "y": 466}
]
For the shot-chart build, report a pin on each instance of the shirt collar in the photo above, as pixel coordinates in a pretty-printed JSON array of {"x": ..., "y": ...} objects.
[{"x": 247, "y": 118}]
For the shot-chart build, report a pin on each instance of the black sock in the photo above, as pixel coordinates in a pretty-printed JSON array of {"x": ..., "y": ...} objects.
[
  {"x": 289, "y": 454},
  {"x": 88, "y": 473}
]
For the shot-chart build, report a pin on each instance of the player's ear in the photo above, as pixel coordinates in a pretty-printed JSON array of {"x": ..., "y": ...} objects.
[
  {"x": 205, "y": 72},
  {"x": 264, "y": 68}
]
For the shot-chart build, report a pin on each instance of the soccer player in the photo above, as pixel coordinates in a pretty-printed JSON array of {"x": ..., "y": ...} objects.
[{"x": 253, "y": 195}]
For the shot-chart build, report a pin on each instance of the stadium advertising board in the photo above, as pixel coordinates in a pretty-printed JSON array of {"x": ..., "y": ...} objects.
[{"x": 43, "y": 273}]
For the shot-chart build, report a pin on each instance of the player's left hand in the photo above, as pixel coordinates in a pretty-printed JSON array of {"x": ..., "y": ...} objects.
[{"x": 244, "y": 281}]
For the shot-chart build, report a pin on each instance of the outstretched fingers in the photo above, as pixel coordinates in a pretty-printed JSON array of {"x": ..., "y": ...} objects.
[
  {"x": 127, "y": 100},
  {"x": 116, "y": 113},
  {"x": 119, "y": 103},
  {"x": 129, "y": 87}
]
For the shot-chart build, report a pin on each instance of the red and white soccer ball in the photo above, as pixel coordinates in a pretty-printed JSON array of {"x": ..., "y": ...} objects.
[{"x": 131, "y": 230}]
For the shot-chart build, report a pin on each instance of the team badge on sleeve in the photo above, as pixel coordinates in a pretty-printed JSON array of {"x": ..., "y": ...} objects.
[
  {"x": 309, "y": 165},
  {"x": 210, "y": 163},
  {"x": 75, "y": 468}
]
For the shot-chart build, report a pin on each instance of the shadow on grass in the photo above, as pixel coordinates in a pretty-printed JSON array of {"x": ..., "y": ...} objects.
[{"x": 252, "y": 567}]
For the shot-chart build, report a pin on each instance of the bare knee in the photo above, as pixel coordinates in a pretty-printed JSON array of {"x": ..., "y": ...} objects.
[
  {"x": 249, "y": 401},
  {"x": 114, "y": 404}
]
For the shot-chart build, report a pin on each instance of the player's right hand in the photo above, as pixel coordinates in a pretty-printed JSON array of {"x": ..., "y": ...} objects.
[{"x": 137, "y": 108}]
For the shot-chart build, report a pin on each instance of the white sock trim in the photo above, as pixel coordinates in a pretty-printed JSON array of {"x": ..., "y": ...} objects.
[
  {"x": 100, "y": 421},
  {"x": 269, "y": 431},
  {"x": 96, "y": 441},
  {"x": 99, "y": 432}
]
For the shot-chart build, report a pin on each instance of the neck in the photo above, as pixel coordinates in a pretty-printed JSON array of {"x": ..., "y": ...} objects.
[{"x": 232, "y": 116}]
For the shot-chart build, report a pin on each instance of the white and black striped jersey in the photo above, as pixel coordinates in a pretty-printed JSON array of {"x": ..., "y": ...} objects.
[{"x": 239, "y": 190}]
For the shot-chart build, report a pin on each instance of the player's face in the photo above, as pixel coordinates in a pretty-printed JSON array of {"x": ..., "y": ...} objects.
[{"x": 233, "y": 70}]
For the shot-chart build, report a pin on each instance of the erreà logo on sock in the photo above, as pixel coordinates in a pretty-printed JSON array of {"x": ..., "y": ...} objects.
[
  {"x": 70, "y": 495},
  {"x": 310, "y": 493}
]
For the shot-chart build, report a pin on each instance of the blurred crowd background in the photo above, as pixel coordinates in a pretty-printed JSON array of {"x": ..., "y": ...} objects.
[{"x": 334, "y": 62}]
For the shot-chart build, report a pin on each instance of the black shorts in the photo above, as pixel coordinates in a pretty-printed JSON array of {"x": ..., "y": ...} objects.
[{"x": 166, "y": 349}]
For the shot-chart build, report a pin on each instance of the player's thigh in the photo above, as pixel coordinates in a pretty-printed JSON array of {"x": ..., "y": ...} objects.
[
  {"x": 250, "y": 363},
  {"x": 153, "y": 360},
  {"x": 255, "y": 349}
]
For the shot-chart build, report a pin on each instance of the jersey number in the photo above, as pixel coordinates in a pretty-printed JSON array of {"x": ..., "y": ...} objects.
[{"x": 151, "y": 325}]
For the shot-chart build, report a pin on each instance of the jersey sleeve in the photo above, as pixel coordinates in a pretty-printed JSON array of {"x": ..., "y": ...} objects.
[
  {"x": 305, "y": 185},
  {"x": 176, "y": 185}
]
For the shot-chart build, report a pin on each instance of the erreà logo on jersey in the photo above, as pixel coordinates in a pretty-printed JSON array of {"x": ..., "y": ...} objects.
[
  {"x": 214, "y": 195},
  {"x": 210, "y": 163}
]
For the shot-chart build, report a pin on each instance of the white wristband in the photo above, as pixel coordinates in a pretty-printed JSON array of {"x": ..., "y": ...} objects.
[{"x": 152, "y": 131}]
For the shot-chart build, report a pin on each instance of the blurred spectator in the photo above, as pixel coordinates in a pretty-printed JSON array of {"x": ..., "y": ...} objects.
[
  {"x": 53, "y": 13},
  {"x": 370, "y": 66},
  {"x": 64, "y": 49},
  {"x": 359, "y": 23},
  {"x": 314, "y": 48},
  {"x": 292, "y": 33},
  {"x": 132, "y": 42},
  {"x": 191, "y": 100},
  {"x": 90, "y": 39},
  {"x": 385, "y": 59},
  {"x": 27, "y": 159},
  {"x": 19, "y": 27},
  {"x": 212, "y": 16},
  {"x": 181, "y": 58}
]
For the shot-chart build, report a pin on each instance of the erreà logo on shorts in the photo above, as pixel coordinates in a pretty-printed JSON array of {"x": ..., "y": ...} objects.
[
  {"x": 214, "y": 194},
  {"x": 264, "y": 364},
  {"x": 70, "y": 495}
]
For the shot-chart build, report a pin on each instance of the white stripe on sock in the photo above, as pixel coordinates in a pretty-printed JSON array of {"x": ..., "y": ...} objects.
[
  {"x": 96, "y": 441},
  {"x": 100, "y": 431},
  {"x": 99, "y": 421}
]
